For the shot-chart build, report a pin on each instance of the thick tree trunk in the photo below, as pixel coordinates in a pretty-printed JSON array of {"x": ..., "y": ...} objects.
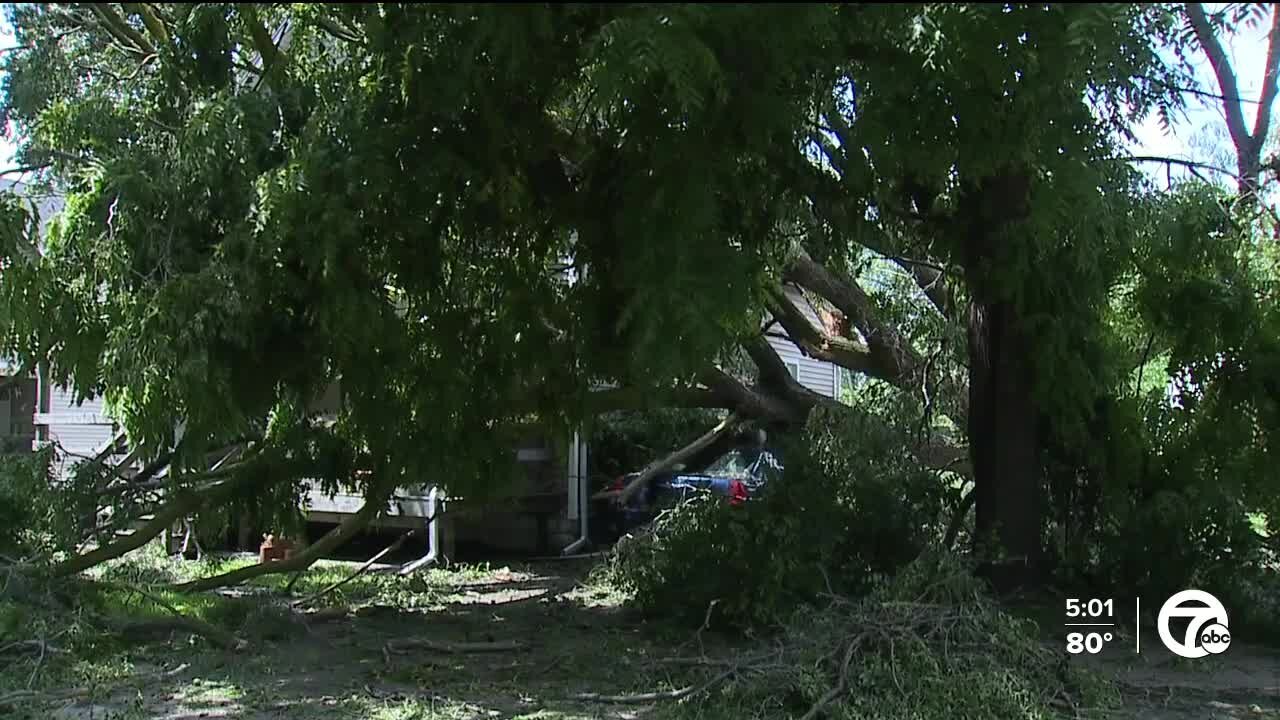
[{"x": 1004, "y": 445}]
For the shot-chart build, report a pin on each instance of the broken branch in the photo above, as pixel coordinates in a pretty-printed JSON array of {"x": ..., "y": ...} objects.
[
  {"x": 680, "y": 694},
  {"x": 331, "y": 540},
  {"x": 725, "y": 427},
  {"x": 404, "y": 645},
  {"x": 359, "y": 571}
]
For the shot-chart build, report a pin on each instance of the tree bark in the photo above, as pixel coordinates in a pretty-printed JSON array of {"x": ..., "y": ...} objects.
[
  {"x": 1004, "y": 444},
  {"x": 183, "y": 504}
]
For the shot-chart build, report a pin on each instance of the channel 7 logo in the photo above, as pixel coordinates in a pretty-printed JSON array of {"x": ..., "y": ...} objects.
[{"x": 1206, "y": 633}]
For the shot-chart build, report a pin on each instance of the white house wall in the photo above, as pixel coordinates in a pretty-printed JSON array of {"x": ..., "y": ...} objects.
[
  {"x": 78, "y": 429},
  {"x": 817, "y": 375}
]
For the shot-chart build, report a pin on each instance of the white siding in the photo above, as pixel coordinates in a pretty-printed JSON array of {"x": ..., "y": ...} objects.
[
  {"x": 79, "y": 430},
  {"x": 62, "y": 402},
  {"x": 80, "y": 439},
  {"x": 817, "y": 375}
]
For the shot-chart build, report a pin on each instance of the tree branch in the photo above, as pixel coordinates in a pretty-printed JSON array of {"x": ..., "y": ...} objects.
[
  {"x": 374, "y": 502},
  {"x": 816, "y": 343},
  {"x": 261, "y": 37},
  {"x": 25, "y": 168},
  {"x": 746, "y": 401},
  {"x": 1181, "y": 162},
  {"x": 132, "y": 40},
  {"x": 1222, "y": 70},
  {"x": 774, "y": 373},
  {"x": 725, "y": 427},
  {"x": 892, "y": 355},
  {"x": 336, "y": 31},
  {"x": 183, "y": 503},
  {"x": 1248, "y": 146},
  {"x": 360, "y": 570},
  {"x": 151, "y": 20},
  {"x": 1262, "y": 121}
]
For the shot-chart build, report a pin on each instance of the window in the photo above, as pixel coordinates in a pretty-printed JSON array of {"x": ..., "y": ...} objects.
[
  {"x": 43, "y": 388},
  {"x": 794, "y": 369}
]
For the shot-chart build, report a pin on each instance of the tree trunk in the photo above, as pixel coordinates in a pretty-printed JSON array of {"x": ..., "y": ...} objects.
[{"x": 1004, "y": 445}]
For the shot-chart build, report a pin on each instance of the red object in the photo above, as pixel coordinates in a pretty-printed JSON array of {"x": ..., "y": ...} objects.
[
  {"x": 618, "y": 484},
  {"x": 738, "y": 492},
  {"x": 274, "y": 548}
]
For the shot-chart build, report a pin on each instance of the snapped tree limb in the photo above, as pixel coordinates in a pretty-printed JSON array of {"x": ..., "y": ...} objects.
[
  {"x": 660, "y": 465},
  {"x": 891, "y": 356},
  {"x": 335, "y": 538}
]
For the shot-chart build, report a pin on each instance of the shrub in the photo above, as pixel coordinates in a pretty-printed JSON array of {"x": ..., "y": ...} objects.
[
  {"x": 927, "y": 643},
  {"x": 36, "y": 514},
  {"x": 851, "y": 504}
]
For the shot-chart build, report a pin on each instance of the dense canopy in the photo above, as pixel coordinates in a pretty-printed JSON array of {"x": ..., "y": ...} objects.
[{"x": 470, "y": 216}]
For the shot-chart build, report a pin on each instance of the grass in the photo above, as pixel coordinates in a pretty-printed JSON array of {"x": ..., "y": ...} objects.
[
  {"x": 580, "y": 635},
  {"x": 1258, "y": 522},
  {"x": 299, "y": 669}
]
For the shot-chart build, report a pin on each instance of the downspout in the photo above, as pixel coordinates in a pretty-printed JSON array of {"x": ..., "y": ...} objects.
[
  {"x": 435, "y": 505},
  {"x": 578, "y": 492}
]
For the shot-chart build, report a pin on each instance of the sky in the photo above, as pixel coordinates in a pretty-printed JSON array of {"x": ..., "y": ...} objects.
[
  {"x": 6, "y": 40},
  {"x": 1204, "y": 117},
  {"x": 1248, "y": 51}
]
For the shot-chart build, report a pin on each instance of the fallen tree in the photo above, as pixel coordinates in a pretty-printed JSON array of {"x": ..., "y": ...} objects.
[{"x": 374, "y": 502}]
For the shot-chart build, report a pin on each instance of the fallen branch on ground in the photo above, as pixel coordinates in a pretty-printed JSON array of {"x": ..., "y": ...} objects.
[
  {"x": 842, "y": 683},
  {"x": 218, "y": 636},
  {"x": 179, "y": 621},
  {"x": 638, "y": 698},
  {"x": 301, "y": 561},
  {"x": 932, "y": 624},
  {"x": 358, "y": 572},
  {"x": 35, "y": 646},
  {"x": 406, "y": 644},
  {"x": 27, "y": 698}
]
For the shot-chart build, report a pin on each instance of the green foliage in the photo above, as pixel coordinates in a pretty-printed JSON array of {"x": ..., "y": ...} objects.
[
  {"x": 851, "y": 504},
  {"x": 623, "y": 442},
  {"x": 1179, "y": 460},
  {"x": 927, "y": 643},
  {"x": 400, "y": 189},
  {"x": 39, "y": 512}
]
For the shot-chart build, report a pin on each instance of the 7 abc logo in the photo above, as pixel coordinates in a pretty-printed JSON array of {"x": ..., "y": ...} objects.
[{"x": 1206, "y": 633}]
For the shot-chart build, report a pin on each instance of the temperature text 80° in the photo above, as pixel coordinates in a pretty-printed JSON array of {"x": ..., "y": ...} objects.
[{"x": 1090, "y": 642}]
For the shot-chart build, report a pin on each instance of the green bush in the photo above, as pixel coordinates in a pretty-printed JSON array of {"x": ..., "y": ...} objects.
[
  {"x": 927, "y": 643},
  {"x": 851, "y": 504},
  {"x": 36, "y": 514}
]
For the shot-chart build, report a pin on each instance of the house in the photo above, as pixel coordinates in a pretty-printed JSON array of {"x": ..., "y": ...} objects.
[
  {"x": 544, "y": 510},
  {"x": 820, "y": 376}
]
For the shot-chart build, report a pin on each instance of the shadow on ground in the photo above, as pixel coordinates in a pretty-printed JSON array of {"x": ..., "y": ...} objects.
[{"x": 576, "y": 639}]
